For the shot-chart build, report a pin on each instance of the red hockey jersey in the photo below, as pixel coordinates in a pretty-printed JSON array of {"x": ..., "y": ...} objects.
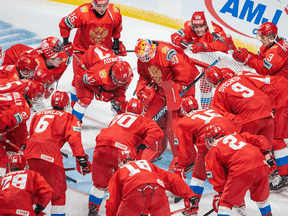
[
  {"x": 271, "y": 60},
  {"x": 127, "y": 131},
  {"x": 49, "y": 130},
  {"x": 240, "y": 97},
  {"x": 232, "y": 155},
  {"x": 11, "y": 55},
  {"x": 133, "y": 174},
  {"x": 92, "y": 30},
  {"x": 169, "y": 63},
  {"x": 208, "y": 39},
  {"x": 17, "y": 190},
  {"x": 192, "y": 127}
]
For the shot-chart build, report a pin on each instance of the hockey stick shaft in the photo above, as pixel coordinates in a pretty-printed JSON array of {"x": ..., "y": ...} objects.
[
  {"x": 209, "y": 212},
  {"x": 164, "y": 110},
  {"x": 71, "y": 168},
  {"x": 178, "y": 211},
  {"x": 118, "y": 108},
  {"x": 130, "y": 51}
]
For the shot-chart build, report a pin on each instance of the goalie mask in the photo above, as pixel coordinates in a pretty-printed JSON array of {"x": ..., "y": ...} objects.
[
  {"x": 51, "y": 47},
  {"x": 60, "y": 100},
  {"x": 145, "y": 50},
  {"x": 120, "y": 73},
  {"x": 212, "y": 133},
  {"x": 27, "y": 66},
  {"x": 135, "y": 106},
  {"x": 214, "y": 75},
  {"x": 17, "y": 162}
]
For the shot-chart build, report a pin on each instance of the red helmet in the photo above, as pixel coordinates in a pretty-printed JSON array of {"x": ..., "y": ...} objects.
[
  {"x": 121, "y": 73},
  {"x": 214, "y": 75},
  {"x": 267, "y": 29},
  {"x": 212, "y": 133},
  {"x": 198, "y": 18},
  {"x": 188, "y": 104},
  {"x": 27, "y": 66},
  {"x": 227, "y": 73},
  {"x": 34, "y": 90},
  {"x": 100, "y": 1},
  {"x": 60, "y": 99},
  {"x": 145, "y": 49},
  {"x": 17, "y": 162},
  {"x": 51, "y": 47},
  {"x": 44, "y": 77},
  {"x": 135, "y": 106}
]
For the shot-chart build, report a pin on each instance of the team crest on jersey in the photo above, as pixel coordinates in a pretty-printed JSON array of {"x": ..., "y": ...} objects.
[
  {"x": 98, "y": 34},
  {"x": 84, "y": 9},
  {"x": 115, "y": 9},
  {"x": 165, "y": 49},
  {"x": 155, "y": 74},
  {"x": 16, "y": 77},
  {"x": 103, "y": 74}
]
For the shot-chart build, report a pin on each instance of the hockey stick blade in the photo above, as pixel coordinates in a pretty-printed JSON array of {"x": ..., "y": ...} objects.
[
  {"x": 209, "y": 212},
  {"x": 164, "y": 110}
]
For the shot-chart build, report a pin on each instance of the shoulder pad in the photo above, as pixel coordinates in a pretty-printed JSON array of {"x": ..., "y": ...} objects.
[{"x": 170, "y": 54}]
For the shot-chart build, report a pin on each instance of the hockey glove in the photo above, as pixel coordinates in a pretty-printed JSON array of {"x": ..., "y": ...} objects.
[
  {"x": 89, "y": 79},
  {"x": 191, "y": 205},
  {"x": 38, "y": 209},
  {"x": 241, "y": 55},
  {"x": 115, "y": 47},
  {"x": 180, "y": 172},
  {"x": 146, "y": 94},
  {"x": 216, "y": 201},
  {"x": 83, "y": 165},
  {"x": 104, "y": 96},
  {"x": 199, "y": 48}
]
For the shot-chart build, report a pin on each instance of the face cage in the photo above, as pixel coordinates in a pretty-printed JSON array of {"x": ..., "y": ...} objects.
[
  {"x": 116, "y": 82},
  {"x": 208, "y": 142},
  {"x": 58, "y": 47},
  {"x": 37, "y": 98},
  {"x": 29, "y": 74}
]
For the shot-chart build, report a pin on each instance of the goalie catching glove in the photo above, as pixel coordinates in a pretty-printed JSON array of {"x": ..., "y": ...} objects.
[{"x": 83, "y": 165}]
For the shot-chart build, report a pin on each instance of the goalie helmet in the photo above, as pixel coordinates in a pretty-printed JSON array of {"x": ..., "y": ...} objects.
[
  {"x": 51, "y": 47},
  {"x": 34, "y": 91},
  {"x": 17, "y": 162},
  {"x": 60, "y": 99},
  {"x": 268, "y": 29},
  {"x": 212, "y": 133},
  {"x": 145, "y": 50},
  {"x": 227, "y": 73},
  {"x": 198, "y": 18},
  {"x": 135, "y": 106},
  {"x": 214, "y": 75},
  {"x": 120, "y": 73},
  {"x": 187, "y": 105},
  {"x": 27, "y": 66}
]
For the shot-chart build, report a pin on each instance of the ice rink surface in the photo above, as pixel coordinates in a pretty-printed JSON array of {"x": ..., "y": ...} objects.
[{"x": 28, "y": 22}]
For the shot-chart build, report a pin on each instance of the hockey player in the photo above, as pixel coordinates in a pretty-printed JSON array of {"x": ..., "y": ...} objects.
[
  {"x": 19, "y": 186},
  {"x": 125, "y": 133},
  {"x": 158, "y": 62},
  {"x": 49, "y": 130},
  {"x": 24, "y": 68},
  {"x": 191, "y": 129},
  {"x": 96, "y": 23},
  {"x": 138, "y": 188},
  {"x": 196, "y": 32},
  {"x": 101, "y": 74},
  {"x": 14, "y": 112},
  {"x": 237, "y": 163},
  {"x": 240, "y": 97},
  {"x": 276, "y": 89},
  {"x": 272, "y": 56}
]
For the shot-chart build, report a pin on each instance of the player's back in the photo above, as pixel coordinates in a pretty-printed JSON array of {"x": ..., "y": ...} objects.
[
  {"x": 16, "y": 191},
  {"x": 14, "y": 53}
]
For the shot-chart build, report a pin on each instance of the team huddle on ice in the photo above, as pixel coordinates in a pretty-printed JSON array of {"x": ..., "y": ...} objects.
[{"x": 236, "y": 141}]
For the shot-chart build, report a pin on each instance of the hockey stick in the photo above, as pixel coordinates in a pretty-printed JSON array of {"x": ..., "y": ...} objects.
[
  {"x": 209, "y": 212},
  {"x": 115, "y": 105},
  {"x": 211, "y": 29},
  {"x": 178, "y": 211},
  {"x": 78, "y": 181},
  {"x": 164, "y": 110},
  {"x": 130, "y": 51},
  {"x": 71, "y": 168}
]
